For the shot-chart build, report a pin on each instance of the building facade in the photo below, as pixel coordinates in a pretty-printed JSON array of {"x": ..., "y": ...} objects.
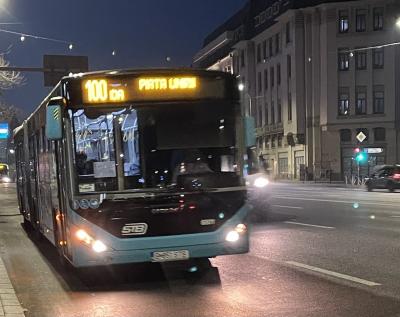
[{"x": 315, "y": 75}]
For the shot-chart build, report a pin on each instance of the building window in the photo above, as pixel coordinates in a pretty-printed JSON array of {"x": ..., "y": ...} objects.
[
  {"x": 343, "y": 21},
  {"x": 345, "y": 135},
  {"x": 378, "y": 19},
  {"x": 361, "y": 100},
  {"x": 264, "y": 49},
  {"x": 272, "y": 112},
  {"x": 288, "y": 37},
  {"x": 343, "y": 60},
  {"x": 242, "y": 63},
  {"x": 361, "y": 60},
  {"x": 277, "y": 43},
  {"x": 258, "y": 52},
  {"x": 270, "y": 44},
  {"x": 266, "y": 79},
  {"x": 259, "y": 116},
  {"x": 289, "y": 66},
  {"x": 379, "y": 100},
  {"x": 290, "y": 110},
  {"x": 273, "y": 141},
  {"x": 266, "y": 119},
  {"x": 272, "y": 77},
  {"x": 344, "y": 103},
  {"x": 379, "y": 134},
  {"x": 378, "y": 57},
  {"x": 361, "y": 20},
  {"x": 280, "y": 138},
  {"x": 278, "y": 74},
  {"x": 259, "y": 84},
  {"x": 279, "y": 110}
]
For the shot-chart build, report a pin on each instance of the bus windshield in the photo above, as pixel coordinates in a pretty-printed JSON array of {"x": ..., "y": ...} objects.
[
  {"x": 163, "y": 146},
  {"x": 3, "y": 170}
]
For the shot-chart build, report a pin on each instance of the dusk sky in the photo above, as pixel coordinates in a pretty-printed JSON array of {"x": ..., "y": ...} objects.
[{"x": 142, "y": 32}]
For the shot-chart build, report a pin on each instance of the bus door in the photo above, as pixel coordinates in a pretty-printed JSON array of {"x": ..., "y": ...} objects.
[{"x": 33, "y": 181}]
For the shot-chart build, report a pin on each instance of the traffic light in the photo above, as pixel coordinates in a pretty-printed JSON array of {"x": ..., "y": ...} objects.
[{"x": 360, "y": 156}]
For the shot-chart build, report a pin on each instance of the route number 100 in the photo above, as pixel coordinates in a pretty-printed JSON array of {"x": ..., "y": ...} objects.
[{"x": 97, "y": 91}]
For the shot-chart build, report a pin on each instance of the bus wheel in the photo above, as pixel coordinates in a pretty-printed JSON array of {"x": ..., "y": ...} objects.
[{"x": 27, "y": 225}]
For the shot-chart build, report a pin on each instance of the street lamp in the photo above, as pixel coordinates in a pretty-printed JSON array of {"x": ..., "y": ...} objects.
[{"x": 398, "y": 22}]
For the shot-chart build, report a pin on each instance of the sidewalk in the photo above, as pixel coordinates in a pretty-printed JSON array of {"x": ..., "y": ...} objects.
[{"x": 9, "y": 304}]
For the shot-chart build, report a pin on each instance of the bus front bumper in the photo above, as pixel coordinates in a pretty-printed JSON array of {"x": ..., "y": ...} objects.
[{"x": 139, "y": 250}]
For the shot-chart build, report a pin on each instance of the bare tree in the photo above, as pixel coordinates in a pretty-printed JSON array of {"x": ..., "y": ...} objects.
[{"x": 9, "y": 79}]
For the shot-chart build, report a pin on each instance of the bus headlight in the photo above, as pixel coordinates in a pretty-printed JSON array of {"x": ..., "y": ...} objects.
[
  {"x": 6, "y": 179},
  {"x": 261, "y": 182},
  {"x": 97, "y": 245},
  {"x": 234, "y": 235}
]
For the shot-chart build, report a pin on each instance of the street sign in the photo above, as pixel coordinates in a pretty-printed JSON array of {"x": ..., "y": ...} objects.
[
  {"x": 373, "y": 150},
  {"x": 58, "y": 66},
  {"x": 361, "y": 137},
  {"x": 4, "y": 131}
]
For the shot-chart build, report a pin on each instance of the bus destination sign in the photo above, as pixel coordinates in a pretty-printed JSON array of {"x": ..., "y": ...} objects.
[{"x": 157, "y": 88}]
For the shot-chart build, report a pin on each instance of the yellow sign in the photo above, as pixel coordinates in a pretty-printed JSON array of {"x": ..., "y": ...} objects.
[
  {"x": 102, "y": 91},
  {"x": 98, "y": 90},
  {"x": 164, "y": 83}
]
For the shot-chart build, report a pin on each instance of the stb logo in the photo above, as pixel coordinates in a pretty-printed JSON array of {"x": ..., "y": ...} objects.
[{"x": 134, "y": 229}]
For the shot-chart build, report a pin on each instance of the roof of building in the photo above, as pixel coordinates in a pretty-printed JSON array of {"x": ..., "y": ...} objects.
[{"x": 245, "y": 17}]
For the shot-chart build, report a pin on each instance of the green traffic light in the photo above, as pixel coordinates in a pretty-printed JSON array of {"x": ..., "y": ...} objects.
[{"x": 361, "y": 157}]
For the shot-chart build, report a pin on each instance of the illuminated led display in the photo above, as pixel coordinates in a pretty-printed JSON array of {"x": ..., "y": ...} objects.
[
  {"x": 4, "y": 131},
  {"x": 152, "y": 88},
  {"x": 163, "y": 83}
]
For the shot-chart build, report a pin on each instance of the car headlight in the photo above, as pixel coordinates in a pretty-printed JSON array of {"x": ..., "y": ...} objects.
[{"x": 261, "y": 182}]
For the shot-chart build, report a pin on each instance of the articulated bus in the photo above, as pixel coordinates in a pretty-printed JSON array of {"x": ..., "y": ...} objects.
[{"x": 137, "y": 166}]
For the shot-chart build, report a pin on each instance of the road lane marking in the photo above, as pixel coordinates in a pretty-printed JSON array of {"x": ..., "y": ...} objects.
[
  {"x": 290, "y": 207},
  {"x": 308, "y": 225},
  {"x": 332, "y": 273},
  {"x": 336, "y": 201}
]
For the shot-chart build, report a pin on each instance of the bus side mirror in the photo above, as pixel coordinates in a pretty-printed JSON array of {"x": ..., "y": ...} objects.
[
  {"x": 250, "y": 132},
  {"x": 54, "y": 119}
]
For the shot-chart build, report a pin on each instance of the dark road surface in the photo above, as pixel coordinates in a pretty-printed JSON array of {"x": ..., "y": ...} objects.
[{"x": 325, "y": 251}]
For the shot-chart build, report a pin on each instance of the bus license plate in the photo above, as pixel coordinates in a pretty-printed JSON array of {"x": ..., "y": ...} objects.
[{"x": 165, "y": 256}]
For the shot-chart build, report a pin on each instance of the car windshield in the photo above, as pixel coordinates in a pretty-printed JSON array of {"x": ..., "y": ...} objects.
[{"x": 154, "y": 147}]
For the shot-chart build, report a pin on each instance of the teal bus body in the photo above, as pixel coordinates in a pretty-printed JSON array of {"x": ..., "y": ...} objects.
[{"x": 153, "y": 177}]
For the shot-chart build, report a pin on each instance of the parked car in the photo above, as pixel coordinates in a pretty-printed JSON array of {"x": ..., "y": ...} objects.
[{"x": 386, "y": 177}]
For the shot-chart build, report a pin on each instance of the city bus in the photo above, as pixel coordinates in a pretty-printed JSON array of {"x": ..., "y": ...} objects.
[
  {"x": 4, "y": 173},
  {"x": 131, "y": 166}
]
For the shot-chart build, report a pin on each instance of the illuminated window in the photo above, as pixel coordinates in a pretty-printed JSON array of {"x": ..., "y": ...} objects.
[
  {"x": 343, "y": 60},
  {"x": 344, "y": 103},
  {"x": 343, "y": 21}
]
